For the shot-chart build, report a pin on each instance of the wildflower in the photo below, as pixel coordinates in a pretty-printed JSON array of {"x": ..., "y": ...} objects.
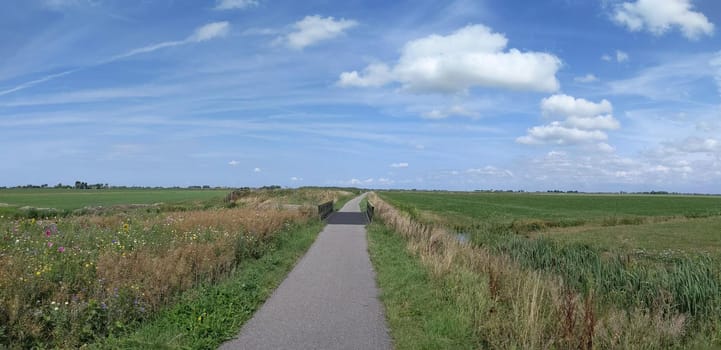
[
  {"x": 126, "y": 227},
  {"x": 61, "y": 249},
  {"x": 50, "y": 244},
  {"x": 48, "y": 233}
]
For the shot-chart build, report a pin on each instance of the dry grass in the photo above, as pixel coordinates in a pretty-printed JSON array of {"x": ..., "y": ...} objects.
[
  {"x": 518, "y": 308},
  {"x": 115, "y": 270}
]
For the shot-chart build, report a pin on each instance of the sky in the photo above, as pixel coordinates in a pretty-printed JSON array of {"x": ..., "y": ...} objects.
[{"x": 605, "y": 95}]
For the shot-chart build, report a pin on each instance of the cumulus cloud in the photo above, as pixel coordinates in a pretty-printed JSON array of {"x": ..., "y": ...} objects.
[
  {"x": 257, "y": 170},
  {"x": 313, "y": 29},
  {"x": 564, "y": 105},
  {"x": 234, "y": 4},
  {"x": 399, "y": 165},
  {"x": 588, "y": 78},
  {"x": 584, "y": 122},
  {"x": 556, "y": 133},
  {"x": 233, "y": 163},
  {"x": 658, "y": 16},
  {"x": 470, "y": 56}
]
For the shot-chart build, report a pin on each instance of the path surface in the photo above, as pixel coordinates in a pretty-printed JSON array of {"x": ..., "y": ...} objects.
[{"x": 328, "y": 301}]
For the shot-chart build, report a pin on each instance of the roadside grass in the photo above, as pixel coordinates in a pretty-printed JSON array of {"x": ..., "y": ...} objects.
[
  {"x": 421, "y": 310},
  {"x": 75, "y": 280},
  {"x": 544, "y": 293},
  {"x": 207, "y": 315}
]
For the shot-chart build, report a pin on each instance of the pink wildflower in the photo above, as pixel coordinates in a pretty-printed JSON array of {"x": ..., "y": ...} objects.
[
  {"x": 50, "y": 244},
  {"x": 47, "y": 233},
  {"x": 61, "y": 249}
]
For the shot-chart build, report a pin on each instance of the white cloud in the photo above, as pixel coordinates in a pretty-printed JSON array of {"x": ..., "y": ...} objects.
[
  {"x": 203, "y": 33},
  {"x": 470, "y": 56},
  {"x": 233, "y": 163},
  {"x": 588, "y": 78},
  {"x": 621, "y": 56},
  {"x": 603, "y": 122},
  {"x": 399, "y": 165},
  {"x": 295, "y": 179},
  {"x": 313, "y": 29},
  {"x": 210, "y": 31},
  {"x": 489, "y": 170},
  {"x": 451, "y": 111},
  {"x": 257, "y": 170},
  {"x": 377, "y": 74},
  {"x": 234, "y": 4},
  {"x": 583, "y": 123},
  {"x": 555, "y": 133},
  {"x": 658, "y": 16},
  {"x": 566, "y": 106}
]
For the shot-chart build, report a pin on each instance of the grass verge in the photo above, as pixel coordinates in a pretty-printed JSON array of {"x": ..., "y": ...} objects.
[
  {"x": 419, "y": 310},
  {"x": 207, "y": 315}
]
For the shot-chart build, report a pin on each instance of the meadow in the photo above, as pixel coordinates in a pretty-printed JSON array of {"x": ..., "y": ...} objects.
[
  {"x": 80, "y": 278},
  {"x": 571, "y": 270}
]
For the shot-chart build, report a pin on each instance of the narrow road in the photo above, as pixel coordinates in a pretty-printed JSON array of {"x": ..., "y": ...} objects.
[{"x": 329, "y": 300}]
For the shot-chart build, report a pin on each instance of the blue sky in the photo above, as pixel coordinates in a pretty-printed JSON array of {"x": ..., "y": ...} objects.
[{"x": 535, "y": 95}]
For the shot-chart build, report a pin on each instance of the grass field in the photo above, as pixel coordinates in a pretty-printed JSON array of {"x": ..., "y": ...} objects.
[
  {"x": 73, "y": 199},
  {"x": 635, "y": 271},
  {"x": 76, "y": 279}
]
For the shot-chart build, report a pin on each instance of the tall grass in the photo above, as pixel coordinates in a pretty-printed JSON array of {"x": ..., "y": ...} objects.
[
  {"x": 516, "y": 305},
  {"x": 69, "y": 281}
]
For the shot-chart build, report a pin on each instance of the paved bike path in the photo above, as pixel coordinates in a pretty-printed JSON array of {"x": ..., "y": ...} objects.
[{"x": 328, "y": 301}]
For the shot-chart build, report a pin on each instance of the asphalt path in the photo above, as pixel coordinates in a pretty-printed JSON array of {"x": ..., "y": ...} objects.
[{"x": 328, "y": 301}]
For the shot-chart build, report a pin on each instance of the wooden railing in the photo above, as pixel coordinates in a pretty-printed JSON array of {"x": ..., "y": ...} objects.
[
  {"x": 370, "y": 211},
  {"x": 325, "y": 209}
]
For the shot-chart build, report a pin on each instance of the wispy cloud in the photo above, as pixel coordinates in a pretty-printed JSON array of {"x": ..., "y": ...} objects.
[
  {"x": 203, "y": 33},
  {"x": 658, "y": 17},
  {"x": 314, "y": 29},
  {"x": 32, "y": 83},
  {"x": 399, "y": 165},
  {"x": 235, "y": 4}
]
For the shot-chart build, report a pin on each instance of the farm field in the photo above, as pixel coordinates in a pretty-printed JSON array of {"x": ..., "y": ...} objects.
[
  {"x": 576, "y": 270},
  {"x": 74, "y": 199},
  {"x": 77, "y": 279}
]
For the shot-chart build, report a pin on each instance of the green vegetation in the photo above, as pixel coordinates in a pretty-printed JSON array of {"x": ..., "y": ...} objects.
[
  {"x": 418, "y": 308},
  {"x": 653, "y": 258},
  {"x": 72, "y": 280},
  {"x": 207, "y": 315},
  {"x": 44, "y": 202},
  {"x": 461, "y": 209}
]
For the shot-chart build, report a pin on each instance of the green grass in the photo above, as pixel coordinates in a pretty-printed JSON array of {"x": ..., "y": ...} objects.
[
  {"x": 674, "y": 237},
  {"x": 206, "y": 316},
  {"x": 66, "y": 199},
  {"x": 420, "y": 310},
  {"x": 466, "y": 208},
  {"x": 633, "y": 252}
]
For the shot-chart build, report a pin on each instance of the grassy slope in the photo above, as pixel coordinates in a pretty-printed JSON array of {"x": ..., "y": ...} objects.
[
  {"x": 73, "y": 199},
  {"x": 208, "y": 315},
  {"x": 419, "y": 309}
]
